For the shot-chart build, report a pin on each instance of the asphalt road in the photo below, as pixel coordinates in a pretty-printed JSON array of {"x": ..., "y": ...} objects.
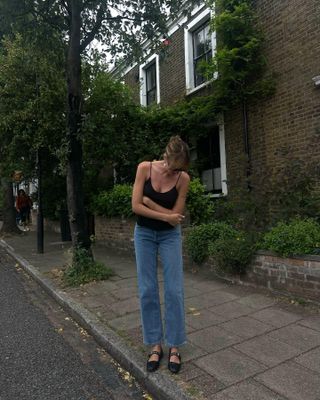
[{"x": 45, "y": 355}]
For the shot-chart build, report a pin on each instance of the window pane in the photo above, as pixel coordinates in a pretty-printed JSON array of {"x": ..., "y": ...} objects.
[
  {"x": 151, "y": 76},
  {"x": 202, "y": 51},
  {"x": 151, "y": 84},
  {"x": 208, "y": 151},
  {"x": 151, "y": 96}
]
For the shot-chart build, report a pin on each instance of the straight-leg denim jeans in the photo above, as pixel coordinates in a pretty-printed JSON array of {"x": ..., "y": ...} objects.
[{"x": 148, "y": 244}]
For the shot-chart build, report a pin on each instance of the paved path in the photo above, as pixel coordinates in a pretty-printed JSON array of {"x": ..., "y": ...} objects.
[{"x": 244, "y": 344}]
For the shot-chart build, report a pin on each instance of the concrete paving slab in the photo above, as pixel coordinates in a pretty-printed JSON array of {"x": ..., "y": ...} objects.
[
  {"x": 204, "y": 386},
  {"x": 229, "y": 366},
  {"x": 209, "y": 299},
  {"x": 191, "y": 352},
  {"x": 203, "y": 319},
  {"x": 213, "y": 338},
  {"x": 125, "y": 306},
  {"x": 130, "y": 321},
  {"x": 191, "y": 292},
  {"x": 267, "y": 350},
  {"x": 298, "y": 336},
  {"x": 311, "y": 360},
  {"x": 233, "y": 309},
  {"x": 257, "y": 301},
  {"x": 190, "y": 371},
  {"x": 246, "y": 327},
  {"x": 275, "y": 317},
  {"x": 292, "y": 381},
  {"x": 125, "y": 293},
  {"x": 247, "y": 390},
  {"x": 205, "y": 286},
  {"x": 312, "y": 322}
]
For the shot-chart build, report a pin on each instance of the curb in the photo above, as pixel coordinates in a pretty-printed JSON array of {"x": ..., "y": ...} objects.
[{"x": 158, "y": 385}]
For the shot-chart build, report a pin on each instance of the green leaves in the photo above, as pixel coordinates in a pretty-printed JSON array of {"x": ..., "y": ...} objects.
[
  {"x": 297, "y": 237},
  {"x": 239, "y": 59}
]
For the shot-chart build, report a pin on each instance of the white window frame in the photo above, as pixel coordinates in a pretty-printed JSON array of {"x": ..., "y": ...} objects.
[
  {"x": 142, "y": 77},
  {"x": 193, "y": 25},
  {"x": 223, "y": 160}
]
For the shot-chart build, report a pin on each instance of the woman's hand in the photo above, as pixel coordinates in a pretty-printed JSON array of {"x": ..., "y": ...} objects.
[
  {"x": 174, "y": 219},
  {"x": 145, "y": 200}
]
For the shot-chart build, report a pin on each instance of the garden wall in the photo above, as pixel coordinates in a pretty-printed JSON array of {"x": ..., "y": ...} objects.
[
  {"x": 115, "y": 232},
  {"x": 299, "y": 276}
]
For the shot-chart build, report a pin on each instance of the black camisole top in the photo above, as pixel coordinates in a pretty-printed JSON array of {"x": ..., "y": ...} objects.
[{"x": 166, "y": 200}]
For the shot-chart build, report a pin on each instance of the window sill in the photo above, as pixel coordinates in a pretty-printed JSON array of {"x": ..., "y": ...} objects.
[{"x": 196, "y": 89}]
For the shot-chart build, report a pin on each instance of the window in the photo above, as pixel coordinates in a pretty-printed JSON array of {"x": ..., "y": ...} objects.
[
  {"x": 151, "y": 84},
  {"x": 202, "y": 51},
  {"x": 209, "y": 156},
  {"x": 199, "y": 47},
  {"x": 149, "y": 78}
]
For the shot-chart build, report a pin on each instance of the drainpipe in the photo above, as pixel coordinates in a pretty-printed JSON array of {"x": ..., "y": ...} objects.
[{"x": 246, "y": 141}]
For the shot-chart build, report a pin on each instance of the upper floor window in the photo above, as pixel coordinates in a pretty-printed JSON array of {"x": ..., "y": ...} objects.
[
  {"x": 202, "y": 51},
  {"x": 150, "y": 83},
  {"x": 200, "y": 45}
]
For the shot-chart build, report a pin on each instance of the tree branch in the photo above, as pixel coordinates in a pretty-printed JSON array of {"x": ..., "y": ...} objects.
[{"x": 90, "y": 36}]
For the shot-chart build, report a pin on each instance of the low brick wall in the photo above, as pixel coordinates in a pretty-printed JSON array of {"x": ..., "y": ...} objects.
[
  {"x": 299, "y": 275},
  {"x": 115, "y": 232}
]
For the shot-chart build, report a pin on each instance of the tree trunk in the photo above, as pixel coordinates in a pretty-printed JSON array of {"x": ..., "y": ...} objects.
[
  {"x": 75, "y": 195},
  {"x": 9, "y": 212}
]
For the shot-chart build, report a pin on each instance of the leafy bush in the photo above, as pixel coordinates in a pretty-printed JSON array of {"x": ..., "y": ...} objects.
[
  {"x": 84, "y": 269},
  {"x": 232, "y": 253},
  {"x": 199, "y": 237},
  {"x": 199, "y": 204},
  {"x": 115, "y": 202},
  {"x": 298, "y": 237}
]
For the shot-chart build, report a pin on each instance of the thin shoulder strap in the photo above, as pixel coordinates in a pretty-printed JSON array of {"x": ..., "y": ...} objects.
[
  {"x": 150, "y": 169},
  {"x": 178, "y": 178}
]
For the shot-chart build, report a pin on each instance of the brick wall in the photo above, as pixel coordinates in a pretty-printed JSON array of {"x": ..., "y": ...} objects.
[
  {"x": 132, "y": 80},
  {"x": 299, "y": 276},
  {"x": 172, "y": 70},
  {"x": 291, "y": 118},
  {"x": 115, "y": 232}
]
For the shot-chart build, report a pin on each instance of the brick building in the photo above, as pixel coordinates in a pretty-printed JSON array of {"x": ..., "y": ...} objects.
[{"x": 288, "y": 121}]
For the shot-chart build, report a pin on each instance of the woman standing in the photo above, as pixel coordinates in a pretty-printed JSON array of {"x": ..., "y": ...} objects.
[{"x": 159, "y": 196}]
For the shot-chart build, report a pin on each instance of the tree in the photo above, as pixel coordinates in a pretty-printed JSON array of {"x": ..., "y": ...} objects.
[
  {"x": 32, "y": 90},
  {"x": 123, "y": 27}
]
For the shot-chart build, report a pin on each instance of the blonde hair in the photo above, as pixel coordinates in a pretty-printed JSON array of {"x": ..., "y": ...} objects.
[{"x": 177, "y": 151}]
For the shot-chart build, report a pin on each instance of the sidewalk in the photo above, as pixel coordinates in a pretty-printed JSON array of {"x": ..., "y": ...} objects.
[{"x": 244, "y": 344}]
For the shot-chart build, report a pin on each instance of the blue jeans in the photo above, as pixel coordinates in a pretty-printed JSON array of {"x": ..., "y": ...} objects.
[{"x": 148, "y": 243}]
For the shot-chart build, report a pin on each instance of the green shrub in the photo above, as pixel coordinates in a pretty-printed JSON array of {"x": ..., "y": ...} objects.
[
  {"x": 199, "y": 237},
  {"x": 298, "y": 237},
  {"x": 115, "y": 202},
  {"x": 199, "y": 204},
  {"x": 232, "y": 253},
  {"x": 84, "y": 269}
]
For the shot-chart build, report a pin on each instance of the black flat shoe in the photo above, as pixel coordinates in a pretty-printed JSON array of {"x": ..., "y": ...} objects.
[
  {"x": 154, "y": 365},
  {"x": 173, "y": 366}
]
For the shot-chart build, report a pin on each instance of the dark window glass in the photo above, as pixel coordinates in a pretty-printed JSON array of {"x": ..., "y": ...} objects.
[
  {"x": 151, "y": 84},
  {"x": 209, "y": 161},
  {"x": 202, "y": 51}
]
